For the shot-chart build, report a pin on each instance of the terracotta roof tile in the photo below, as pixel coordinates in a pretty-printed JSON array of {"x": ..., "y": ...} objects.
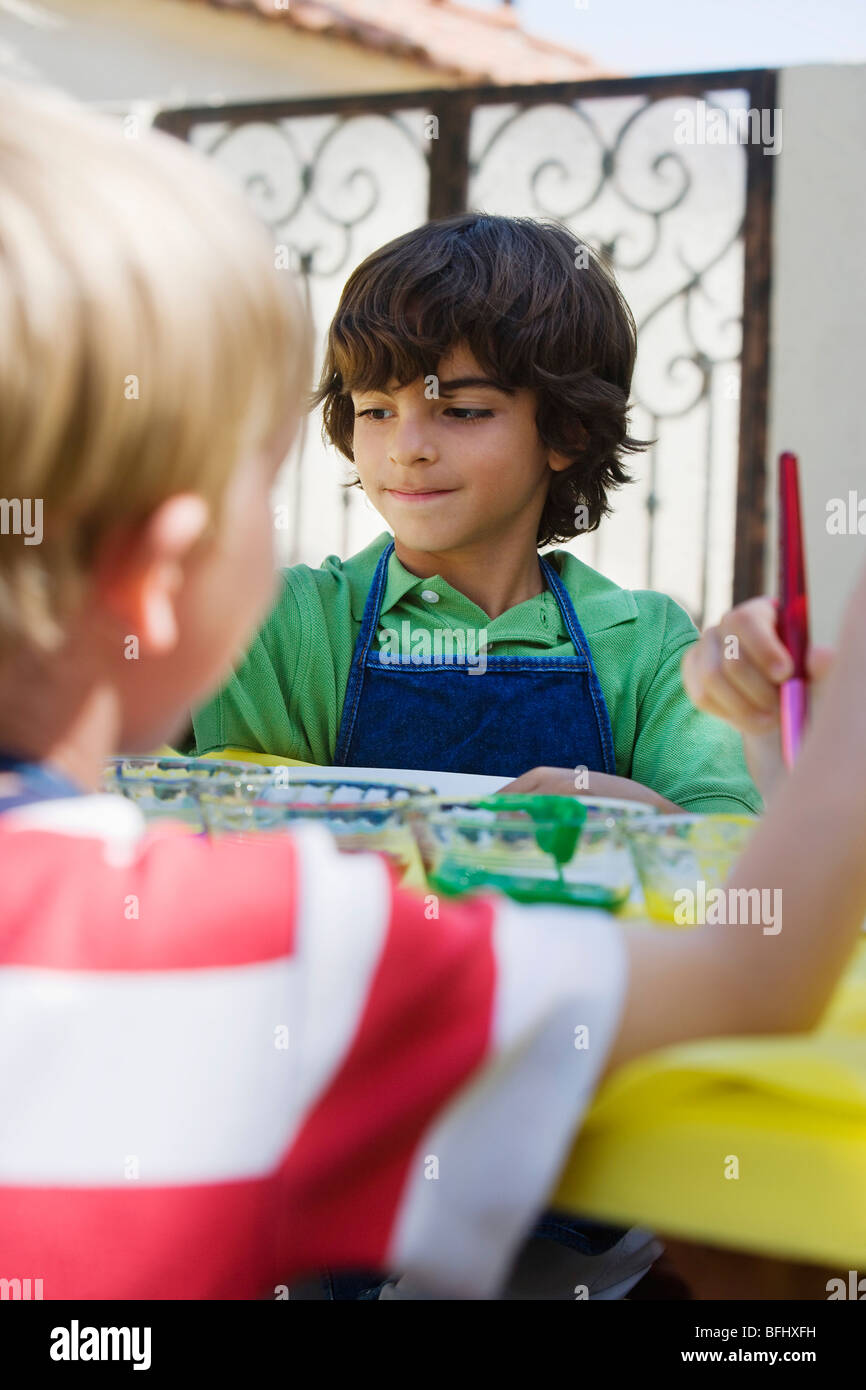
[{"x": 475, "y": 45}]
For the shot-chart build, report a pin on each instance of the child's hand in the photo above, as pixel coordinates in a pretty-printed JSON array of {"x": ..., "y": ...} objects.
[
  {"x": 569, "y": 781},
  {"x": 734, "y": 671}
]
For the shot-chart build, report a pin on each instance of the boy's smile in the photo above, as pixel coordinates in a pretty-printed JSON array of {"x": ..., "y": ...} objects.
[
  {"x": 453, "y": 461},
  {"x": 421, "y": 495}
]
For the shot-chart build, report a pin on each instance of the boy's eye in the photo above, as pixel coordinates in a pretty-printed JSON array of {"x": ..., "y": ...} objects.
[{"x": 459, "y": 412}]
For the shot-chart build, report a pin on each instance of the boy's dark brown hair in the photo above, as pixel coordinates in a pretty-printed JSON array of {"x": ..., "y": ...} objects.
[{"x": 536, "y": 308}]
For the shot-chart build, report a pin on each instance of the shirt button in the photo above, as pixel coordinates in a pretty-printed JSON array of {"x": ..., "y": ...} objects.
[{"x": 429, "y": 595}]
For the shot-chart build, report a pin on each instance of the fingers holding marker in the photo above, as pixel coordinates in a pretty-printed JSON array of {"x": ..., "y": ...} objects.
[
  {"x": 727, "y": 703},
  {"x": 756, "y": 642},
  {"x": 721, "y": 681},
  {"x": 735, "y": 669}
]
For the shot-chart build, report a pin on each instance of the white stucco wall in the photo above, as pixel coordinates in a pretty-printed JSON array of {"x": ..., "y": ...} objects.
[{"x": 818, "y": 394}]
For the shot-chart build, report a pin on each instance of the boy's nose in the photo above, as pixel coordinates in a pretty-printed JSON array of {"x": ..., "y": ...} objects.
[{"x": 410, "y": 444}]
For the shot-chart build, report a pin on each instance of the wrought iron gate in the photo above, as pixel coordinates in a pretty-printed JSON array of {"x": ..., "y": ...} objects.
[{"x": 685, "y": 224}]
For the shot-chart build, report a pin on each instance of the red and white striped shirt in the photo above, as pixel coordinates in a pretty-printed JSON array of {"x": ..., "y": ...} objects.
[{"x": 229, "y": 1064}]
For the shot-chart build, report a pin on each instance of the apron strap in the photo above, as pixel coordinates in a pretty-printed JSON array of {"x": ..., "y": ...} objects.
[
  {"x": 581, "y": 646},
  {"x": 566, "y": 608},
  {"x": 354, "y": 686}
]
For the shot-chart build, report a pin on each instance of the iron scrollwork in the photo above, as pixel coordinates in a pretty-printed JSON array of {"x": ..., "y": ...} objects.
[{"x": 611, "y": 170}]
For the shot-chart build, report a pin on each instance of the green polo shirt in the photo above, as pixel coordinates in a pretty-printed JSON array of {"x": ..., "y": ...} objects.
[{"x": 286, "y": 698}]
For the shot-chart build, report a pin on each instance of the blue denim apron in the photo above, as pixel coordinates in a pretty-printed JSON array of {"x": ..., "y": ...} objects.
[{"x": 520, "y": 712}]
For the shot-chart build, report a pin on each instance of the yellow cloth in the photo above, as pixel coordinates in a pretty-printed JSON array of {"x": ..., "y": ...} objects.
[
  {"x": 791, "y": 1111},
  {"x": 236, "y": 755},
  {"x": 243, "y": 755}
]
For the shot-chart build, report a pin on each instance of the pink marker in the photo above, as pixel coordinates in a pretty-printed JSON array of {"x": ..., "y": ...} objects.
[{"x": 793, "y": 614}]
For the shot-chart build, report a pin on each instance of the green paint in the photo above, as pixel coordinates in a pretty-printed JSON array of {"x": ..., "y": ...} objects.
[
  {"x": 558, "y": 821},
  {"x": 452, "y": 878}
]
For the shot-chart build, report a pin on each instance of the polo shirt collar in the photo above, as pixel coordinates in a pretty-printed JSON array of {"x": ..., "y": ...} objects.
[
  {"x": 600, "y": 603},
  {"x": 401, "y": 581}
]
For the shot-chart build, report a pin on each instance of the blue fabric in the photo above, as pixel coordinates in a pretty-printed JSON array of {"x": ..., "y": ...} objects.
[
  {"x": 521, "y": 712},
  {"x": 22, "y": 783},
  {"x": 587, "y": 1238}
]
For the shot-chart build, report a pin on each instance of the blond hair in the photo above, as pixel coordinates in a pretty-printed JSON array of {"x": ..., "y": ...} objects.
[{"x": 147, "y": 341}]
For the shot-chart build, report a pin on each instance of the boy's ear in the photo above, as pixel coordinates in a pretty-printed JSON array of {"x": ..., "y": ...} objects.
[
  {"x": 558, "y": 462},
  {"x": 138, "y": 571}
]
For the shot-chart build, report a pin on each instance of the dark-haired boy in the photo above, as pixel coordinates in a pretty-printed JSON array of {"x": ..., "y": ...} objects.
[{"x": 479, "y": 380}]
